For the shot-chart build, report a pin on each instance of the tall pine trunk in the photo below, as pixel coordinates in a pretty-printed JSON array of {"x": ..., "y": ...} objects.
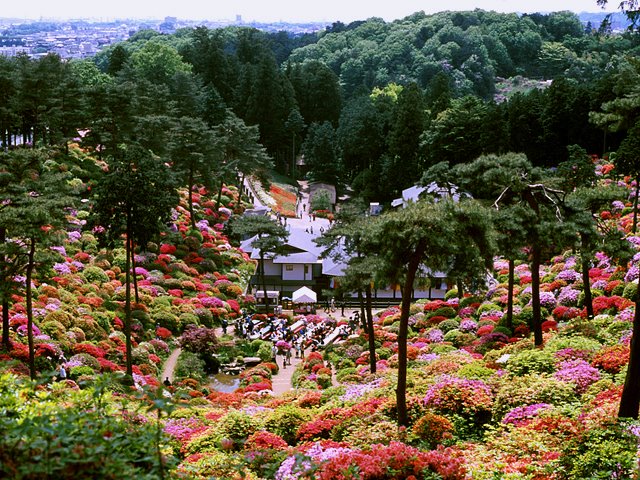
[
  {"x": 190, "y": 200},
  {"x": 127, "y": 304},
  {"x": 635, "y": 207},
  {"x": 535, "y": 296},
  {"x": 512, "y": 273},
  {"x": 363, "y": 317},
  {"x": 630, "y": 401},
  {"x": 133, "y": 271},
  {"x": 586, "y": 285},
  {"x": 6, "y": 343},
  {"x": 370, "y": 332},
  {"x": 219, "y": 199},
  {"x": 29, "y": 301},
  {"x": 264, "y": 283},
  {"x": 401, "y": 389}
]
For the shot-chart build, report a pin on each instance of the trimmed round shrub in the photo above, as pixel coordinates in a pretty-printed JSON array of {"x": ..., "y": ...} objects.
[
  {"x": 86, "y": 360},
  {"x": 448, "y": 325},
  {"x": 515, "y": 391},
  {"x": 531, "y": 361},
  {"x": 475, "y": 370},
  {"x": 237, "y": 426},
  {"x": 286, "y": 421},
  {"x": 76, "y": 372},
  {"x": 629, "y": 291},
  {"x": 95, "y": 275},
  {"x": 166, "y": 319}
]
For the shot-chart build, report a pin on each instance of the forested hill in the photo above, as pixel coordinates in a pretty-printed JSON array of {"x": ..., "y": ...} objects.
[{"x": 367, "y": 100}]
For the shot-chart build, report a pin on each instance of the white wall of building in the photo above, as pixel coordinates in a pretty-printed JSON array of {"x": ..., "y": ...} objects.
[{"x": 293, "y": 271}]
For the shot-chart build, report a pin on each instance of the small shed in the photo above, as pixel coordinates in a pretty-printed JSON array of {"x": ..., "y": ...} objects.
[{"x": 272, "y": 295}]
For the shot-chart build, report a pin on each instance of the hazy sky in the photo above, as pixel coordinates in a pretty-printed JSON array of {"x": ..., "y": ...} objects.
[{"x": 273, "y": 10}]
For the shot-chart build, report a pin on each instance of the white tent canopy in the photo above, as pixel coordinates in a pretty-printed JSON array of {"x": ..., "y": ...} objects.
[{"x": 304, "y": 295}]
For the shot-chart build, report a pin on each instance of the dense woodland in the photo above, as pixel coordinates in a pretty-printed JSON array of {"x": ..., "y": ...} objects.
[{"x": 359, "y": 101}]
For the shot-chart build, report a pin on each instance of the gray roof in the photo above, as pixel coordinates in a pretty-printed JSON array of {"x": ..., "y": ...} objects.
[
  {"x": 412, "y": 194},
  {"x": 300, "y": 241}
]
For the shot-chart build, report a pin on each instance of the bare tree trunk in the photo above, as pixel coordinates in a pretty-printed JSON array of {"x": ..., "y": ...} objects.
[
  {"x": 635, "y": 207},
  {"x": 535, "y": 296},
  {"x": 586, "y": 285},
  {"x": 190, "y": 200},
  {"x": 133, "y": 269},
  {"x": 363, "y": 318},
  {"x": 29, "y": 274},
  {"x": 6, "y": 344},
  {"x": 630, "y": 401},
  {"x": 512, "y": 270},
  {"x": 264, "y": 283},
  {"x": 219, "y": 199},
  {"x": 127, "y": 305},
  {"x": 401, "y": 389},
  {"x": 370, "y": 331}
]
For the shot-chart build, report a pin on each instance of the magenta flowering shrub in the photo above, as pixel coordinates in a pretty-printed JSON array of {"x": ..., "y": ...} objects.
[
  {"x": 547, "y": 300},
  {"x": 521, "y": 415},
  {"x": 183, "y": 429},
  {"x": 573, "y": 354},
  {"x": 468, "y": 326},
  {"x": 199, "y": 339},
  {"x": 578, "y": 372},
  {"x": 435, "y": 335},
  {"x": 568, "y": 275},
  {"x": 568, "y": 296}
]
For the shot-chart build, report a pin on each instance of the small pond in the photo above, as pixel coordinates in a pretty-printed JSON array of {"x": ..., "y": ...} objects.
[{"x": 222, "y": 382}]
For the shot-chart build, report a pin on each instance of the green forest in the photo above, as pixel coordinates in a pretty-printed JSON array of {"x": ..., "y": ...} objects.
[{"x": 358, "y": 101}]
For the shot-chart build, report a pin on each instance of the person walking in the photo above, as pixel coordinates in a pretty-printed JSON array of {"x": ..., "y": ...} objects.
[{"x": 287, "y": 357}]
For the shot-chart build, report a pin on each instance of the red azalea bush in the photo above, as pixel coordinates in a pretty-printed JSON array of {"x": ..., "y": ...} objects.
[
  {"x": 167, "y": 249},
  {"x": 395, "y": 461},
  {"x": 611, "y": 359},
  {"x": 259, "y": 386},
  {"x": 562, "y": 312},
  {"x": 317, "y": 429},
  {"x": 484, "y": 330},
  {"x": 433, "y": 429},
  {"x": 89, "y": 348},
  {"x": 262, "y": 439},
  {"x": 225, "y": 400},
  {"x": 310, "y": 399},
  {"x": 459, "y": 395},
  {"x": 612, "y": 304},
  {"x": 163, "y": 333}
]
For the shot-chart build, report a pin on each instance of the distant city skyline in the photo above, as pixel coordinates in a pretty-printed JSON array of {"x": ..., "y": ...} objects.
[{"x": 275, "y": 10}]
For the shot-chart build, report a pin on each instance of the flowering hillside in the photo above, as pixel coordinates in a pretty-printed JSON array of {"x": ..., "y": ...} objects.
[
  {"x": 483, "y": 402},
  {"x": 191, "y": 277}
]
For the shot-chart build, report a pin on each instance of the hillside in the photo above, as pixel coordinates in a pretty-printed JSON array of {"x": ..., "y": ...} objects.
[{"x": 482, "y": 401}]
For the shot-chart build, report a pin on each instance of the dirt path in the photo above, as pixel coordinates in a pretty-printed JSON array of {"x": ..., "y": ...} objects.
[{"x": 170, "y": 365}]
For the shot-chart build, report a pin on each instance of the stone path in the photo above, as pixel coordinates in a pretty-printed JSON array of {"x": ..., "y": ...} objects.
[
  {"x": 282, "y": 381},
  {"x": 170, "y": 365}
]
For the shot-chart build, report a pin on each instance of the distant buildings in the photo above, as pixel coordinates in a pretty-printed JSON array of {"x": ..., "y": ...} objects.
[{"x": 83, "y": 38}]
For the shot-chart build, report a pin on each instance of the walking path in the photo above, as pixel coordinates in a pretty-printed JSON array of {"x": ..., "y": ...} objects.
[
  {"x": 170, "y": 365},
  {"x": 282, "y": 380}
]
